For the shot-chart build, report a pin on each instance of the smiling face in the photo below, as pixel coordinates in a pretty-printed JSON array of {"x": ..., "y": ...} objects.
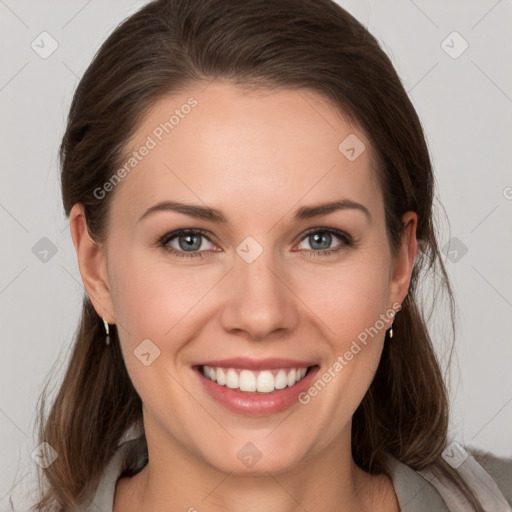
[{"x": 252, "y": 276}]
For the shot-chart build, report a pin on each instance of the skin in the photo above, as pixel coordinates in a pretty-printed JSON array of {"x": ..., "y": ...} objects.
[{"x": 257, "y": 157}]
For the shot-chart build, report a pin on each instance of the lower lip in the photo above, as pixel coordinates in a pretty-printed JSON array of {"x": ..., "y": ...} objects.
[{"x": 255, "y": 403}]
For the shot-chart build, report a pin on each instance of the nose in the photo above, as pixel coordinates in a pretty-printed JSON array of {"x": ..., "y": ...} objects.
[{"x": 260, "y": 302}]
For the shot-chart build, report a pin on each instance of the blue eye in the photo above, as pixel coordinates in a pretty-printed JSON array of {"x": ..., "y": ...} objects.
[
  {"x": 324, "y": 237},
  {"x": 190, "y": 242}
]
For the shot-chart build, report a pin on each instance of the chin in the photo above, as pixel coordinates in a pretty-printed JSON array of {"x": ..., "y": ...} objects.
[{"x": 249, "y": 460}]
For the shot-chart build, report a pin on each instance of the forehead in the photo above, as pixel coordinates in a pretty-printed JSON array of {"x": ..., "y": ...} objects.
[{"x": 226, "y": 146}]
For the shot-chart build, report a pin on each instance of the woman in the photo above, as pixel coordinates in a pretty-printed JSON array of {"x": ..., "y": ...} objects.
[{"x": 250, "y": 198}]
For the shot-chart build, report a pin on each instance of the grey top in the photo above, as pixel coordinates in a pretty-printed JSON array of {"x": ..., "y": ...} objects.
[{"x": 417, "y": 491}]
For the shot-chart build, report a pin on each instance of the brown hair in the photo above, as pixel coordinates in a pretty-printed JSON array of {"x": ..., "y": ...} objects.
[{"x": 316, "y": 45}]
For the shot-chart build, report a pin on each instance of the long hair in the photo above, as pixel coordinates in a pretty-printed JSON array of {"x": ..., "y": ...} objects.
[{"x": 167, "y": 46}]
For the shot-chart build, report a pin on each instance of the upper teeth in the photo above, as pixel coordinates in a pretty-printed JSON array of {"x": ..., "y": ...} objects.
[{"x": 247, "y": 380}]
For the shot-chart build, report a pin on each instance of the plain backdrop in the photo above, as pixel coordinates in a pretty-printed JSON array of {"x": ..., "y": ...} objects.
[{"x": 454, "y": 60}]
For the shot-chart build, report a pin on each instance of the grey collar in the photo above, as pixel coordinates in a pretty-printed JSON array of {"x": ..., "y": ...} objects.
[{"x": 414, "y": 492}]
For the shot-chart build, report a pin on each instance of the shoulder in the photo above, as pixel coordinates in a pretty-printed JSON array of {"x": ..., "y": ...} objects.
[
  {"x": 488, "y": 476},
  {"x": 130, "y": 455},
  {"x": 499, "y": 469}
]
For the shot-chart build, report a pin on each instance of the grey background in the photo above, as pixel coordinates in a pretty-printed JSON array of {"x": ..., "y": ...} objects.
[{"x": 465, "y": 105}]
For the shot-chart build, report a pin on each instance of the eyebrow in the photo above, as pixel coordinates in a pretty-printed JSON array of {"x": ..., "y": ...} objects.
[{"x": 214, "y": 215}]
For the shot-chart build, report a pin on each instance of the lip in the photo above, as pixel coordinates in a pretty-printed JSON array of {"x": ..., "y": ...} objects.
[
  {"x": 247, "y": 363},
  {"x": 256, "y": 403}
]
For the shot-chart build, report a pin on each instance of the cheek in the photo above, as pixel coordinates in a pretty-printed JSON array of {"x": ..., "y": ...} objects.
[
  {"x": 349, "y": 305},
  {"x": 347, "y": 299},
  {"x": 150, "y": 298},
  {"x": 152, "y": 306}
]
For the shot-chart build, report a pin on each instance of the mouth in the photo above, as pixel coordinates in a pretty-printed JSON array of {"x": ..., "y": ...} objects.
[
  {"x": 254, "y": 381},
  {"x": 255, "y": 392}
]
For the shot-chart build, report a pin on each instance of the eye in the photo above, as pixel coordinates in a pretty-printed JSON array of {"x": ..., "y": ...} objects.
[
  {"x": 188, "y": 243},
  {"x": 320, "y": 240}
]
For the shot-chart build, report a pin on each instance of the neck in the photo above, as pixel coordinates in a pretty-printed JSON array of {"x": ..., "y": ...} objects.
[{"x": 175, "y": 479}]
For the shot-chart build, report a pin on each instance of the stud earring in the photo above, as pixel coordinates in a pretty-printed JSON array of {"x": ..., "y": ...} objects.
[
  {"x": 391, "y": 331},
  {"x": 107, "y": 339}
]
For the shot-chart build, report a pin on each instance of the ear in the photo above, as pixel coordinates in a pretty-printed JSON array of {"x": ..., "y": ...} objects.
[
  {"x": 404, "y": 260},
  {"x": 92, "y": 265}
]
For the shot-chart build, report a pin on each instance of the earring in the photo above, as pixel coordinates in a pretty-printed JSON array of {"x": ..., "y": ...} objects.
[
  {"x": 107, "y": 339},
  {"x": 391, "y": 328}
]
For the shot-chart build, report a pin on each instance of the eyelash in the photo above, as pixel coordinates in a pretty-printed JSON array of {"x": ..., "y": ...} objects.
[{"x": 164, "y": 240}]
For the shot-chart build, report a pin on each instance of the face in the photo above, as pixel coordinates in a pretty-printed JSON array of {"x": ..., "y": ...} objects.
[{"x": 257, "y": 281}]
